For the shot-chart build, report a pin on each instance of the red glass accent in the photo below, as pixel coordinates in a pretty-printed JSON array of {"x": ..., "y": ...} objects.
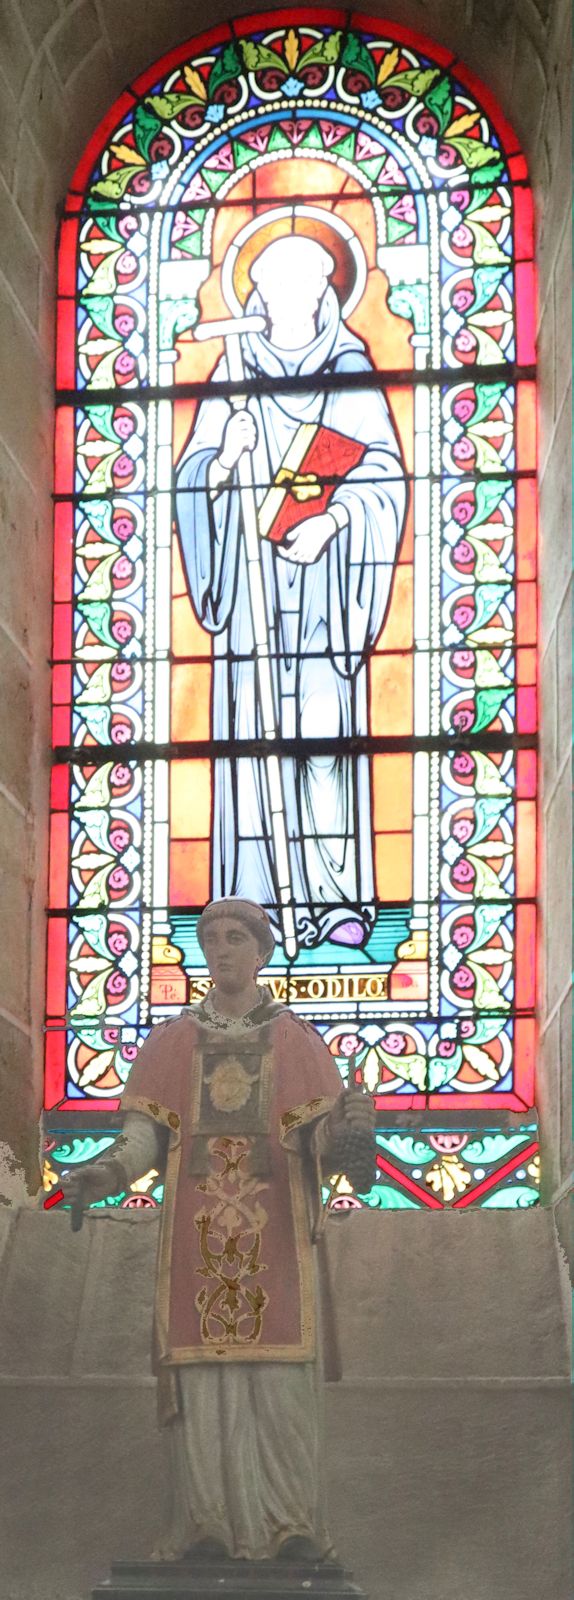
[
  {"x": 59, "y": 788},
  {"x": 525, "y": 963},
  {"x": 62, "y": 684},
  {"x": 68, "y": 257},
  {"x": 79, "y": 1106},
  {"x": 63, "y": 551},
  {"x": 494, "y": 1178},
  {"x": 525, "y": 849},
  {"x": 523, "y": 224},
  {"x": 489, "y": 104},
  {"x": 62, "y": 635},
  {"x": 56, "y": 965},
  {"x": 66, "y": 345},
  {"x": 518, "y": 168},
  {"x": 54, "y": 1068},
  {"x": 526, "y": 529},
  {"x": 526, "y": 427},
  {"x": 526, "y": 774},
  {"x": 526, "y": 710},
  {"x": 525, "y": 313},
  {"x": 59, "y": 860},
  {"x": 61, "y": 725},
  {"x": 405, "y": 1102},
  {"x": 489, "y": 1101},
  {"x": 425, "y": 1195},
  {"x": 64, "y": 450},
  {"x": 525, "y": 1041},
  {"x": 526, "y": 611}
]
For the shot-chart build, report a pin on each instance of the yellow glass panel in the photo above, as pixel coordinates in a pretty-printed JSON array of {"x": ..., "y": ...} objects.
[
  {"x": 391, "y": 694},
  {"x": 190, "y": 685},
  {"x": 190, "y": 800},
  {"x": 394, "y": 866},
  {"x": 392, "y": 793},
  {"x": 189, "y": 872}
]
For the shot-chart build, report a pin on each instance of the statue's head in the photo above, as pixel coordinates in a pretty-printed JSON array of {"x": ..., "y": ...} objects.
[
  {"x": 291, "y": 275},
  {"x": 237, "y": 940}
]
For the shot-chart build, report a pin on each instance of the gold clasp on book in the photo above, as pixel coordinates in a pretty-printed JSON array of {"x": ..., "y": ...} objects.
[{"x": 302, "y": 485}]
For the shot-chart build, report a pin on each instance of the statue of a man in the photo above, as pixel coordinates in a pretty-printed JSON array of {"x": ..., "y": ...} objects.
[{"x": 240, "y": 1102}]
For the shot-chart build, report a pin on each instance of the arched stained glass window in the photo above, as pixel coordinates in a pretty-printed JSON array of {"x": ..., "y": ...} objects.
[{"x": 295, "y": 578}]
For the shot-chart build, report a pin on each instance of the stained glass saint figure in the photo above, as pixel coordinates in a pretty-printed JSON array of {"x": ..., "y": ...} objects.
[{"x": 331, "y": 496}]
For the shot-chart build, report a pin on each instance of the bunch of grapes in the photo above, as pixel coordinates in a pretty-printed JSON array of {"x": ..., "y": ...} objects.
[{"x": 355, "y": 1156}]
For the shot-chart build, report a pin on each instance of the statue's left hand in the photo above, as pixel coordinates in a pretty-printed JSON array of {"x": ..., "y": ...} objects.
[
  {"x": 308, "y": 539},
  {"x": 353, "y": 1109}
]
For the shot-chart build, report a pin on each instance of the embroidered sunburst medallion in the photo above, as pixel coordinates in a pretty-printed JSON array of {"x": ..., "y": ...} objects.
[{"x": 230, "y": 1085}]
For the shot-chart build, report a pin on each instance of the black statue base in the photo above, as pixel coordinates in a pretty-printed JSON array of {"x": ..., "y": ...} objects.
[{"x": 240, "y": 1580}]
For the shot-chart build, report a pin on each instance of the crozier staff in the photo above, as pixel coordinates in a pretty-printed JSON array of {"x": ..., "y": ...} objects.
[{"x": 241, "y": 1103}]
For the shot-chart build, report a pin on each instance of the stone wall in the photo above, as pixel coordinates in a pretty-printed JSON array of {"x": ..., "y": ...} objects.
[
  {"x": 447, "y": 1443},
  {"x": 61, "y": 66}
]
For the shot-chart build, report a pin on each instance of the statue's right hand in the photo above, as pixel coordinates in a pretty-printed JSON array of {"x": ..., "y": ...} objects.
[
  {"x": 91, "y": 1182},
  {"x": 240, "y": 434}
]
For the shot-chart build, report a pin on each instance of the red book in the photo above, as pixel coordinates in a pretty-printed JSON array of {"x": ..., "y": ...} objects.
[{"x": 299, "y": 490}]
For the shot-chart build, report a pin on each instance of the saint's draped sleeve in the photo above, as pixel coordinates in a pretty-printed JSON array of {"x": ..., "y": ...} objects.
[
  {"x": 361, "y": 558},
  {"x": 209, "y": 528}
]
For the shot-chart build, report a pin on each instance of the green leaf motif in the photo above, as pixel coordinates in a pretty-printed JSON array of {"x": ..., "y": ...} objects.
[
  {"x": 257, "y": 57},
  {"x": 404, "y": 1148},
  {"x": 99, "y": 584},
  {"x": 356, "y": 58},
  {"x": 488, "y": 704},
  {"x": 473, "y": 152},
  {"x": 440, "y": 102},
  {"x": 415, "y": 81},
  {"x": 146, "y": 128},
  {"x": 488, "y": 780},
  {"x": 487, "y": 499},
  {"x": 324, "y": 53},
  {"x": 383, "y": 1198},
  {"x": 114, "y": 185},
  {"x": 487, "y": 252},
  {"x": 99, "y": 515},
  {"x": 94, "y": 929},
  {"x": 489, "y": 177},
  {"x": 486, "y": 282},
  {"x": 93, "y": 1000},
  {"x": 169, "y": 106},
  {"x": 97, "y": 616},
  {"x": 513, "y": 1197},
  {"x": 226, "y": 67},
  {"x": 488, "y": 395},
  {"x": 95, "y": 892},
  {"x": 97, "y": 790},
  {"x": 487, "y": 995},
  {"x": 100, "y": 308},
  {"x": 487, "y": 814},
  {"x": 442, "y": 1070}
]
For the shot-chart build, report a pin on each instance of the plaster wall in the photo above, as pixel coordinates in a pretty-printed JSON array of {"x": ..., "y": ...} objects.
[{"x": 61, "y": 66}]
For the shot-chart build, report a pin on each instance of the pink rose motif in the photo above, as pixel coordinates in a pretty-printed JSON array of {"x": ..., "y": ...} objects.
[
  {"x": 464, "y": 407},
  {"x": 466, "y": 1028},
  {"x": 111, "y": 1035},
  {"x": 120, "y": 776},
  {"x": 463, "y": 719},
  {"x": 463, "y": 509},
  {"x": 395, "y": 1043},
  {"x": 124, "y": 423},
  {"x": 124, "y": 321},
  {"x": 123, "y": 470},
  {"x": 446, "y": 1049},
  {"x": 123, "y": 525},
  {"x": 447, "y": 156},
  {"x": 122, "y": 570},
  {"x": 460, "y": 198},
  {"x": 465, "y": 345},
  {"x": 462, "y": 935},
  {"x": 140, "y": 183},
  {"x": 463, "y": 452},
  {"x": 129, "y": 1052},
  {"x": 121, "y": 674},
  {"x": 463, "y": 554},
  {"x": 127, "y": 226},
  {"x": 119, "y": 839},
  {"x": 119, "y": 879},
  {"x": 124, "y": 366},
  {"x": 463, "y": 766},
  {"x": 122, "y": 630},
  {"x": 350, "y": 1044},
  {"x": 127, "y": 264},
  {"x": 463, "y": 660},
  {"x": 463, "y": 875},
  {"x": 116, "y": 985},
  {"x": 462, "y": 829},
  {"x": 463, "y": 980},
  {"x": 463, "y": 614},
  {"x": 118, "y": 942},
  {"x": 120, "y": 731},
  {"x": 461, "y": 239},
  {"x": 462, "y": 299}
]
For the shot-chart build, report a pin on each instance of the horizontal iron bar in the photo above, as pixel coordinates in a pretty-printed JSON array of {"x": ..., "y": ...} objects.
[
  {"x": 314, "y": 382},
  {"x": 368, "y": 744}
]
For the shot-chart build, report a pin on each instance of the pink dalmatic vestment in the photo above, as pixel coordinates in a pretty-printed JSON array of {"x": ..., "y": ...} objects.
[{"x": 242, "y": 1189}]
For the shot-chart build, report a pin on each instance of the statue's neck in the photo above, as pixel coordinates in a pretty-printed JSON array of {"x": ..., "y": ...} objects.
[{"x": 235, "y": 1005}]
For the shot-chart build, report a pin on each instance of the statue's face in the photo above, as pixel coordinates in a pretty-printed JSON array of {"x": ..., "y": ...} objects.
[
  {"x": 232, "y": 954},
  {"x": 291, "y": 276}
]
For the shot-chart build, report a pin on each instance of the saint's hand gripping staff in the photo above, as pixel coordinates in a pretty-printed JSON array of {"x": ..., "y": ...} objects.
[{"x": 231, "y": 329}]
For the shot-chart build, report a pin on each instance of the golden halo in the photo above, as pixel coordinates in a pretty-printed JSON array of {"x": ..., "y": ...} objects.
[{"x": 310, "y": 222}]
